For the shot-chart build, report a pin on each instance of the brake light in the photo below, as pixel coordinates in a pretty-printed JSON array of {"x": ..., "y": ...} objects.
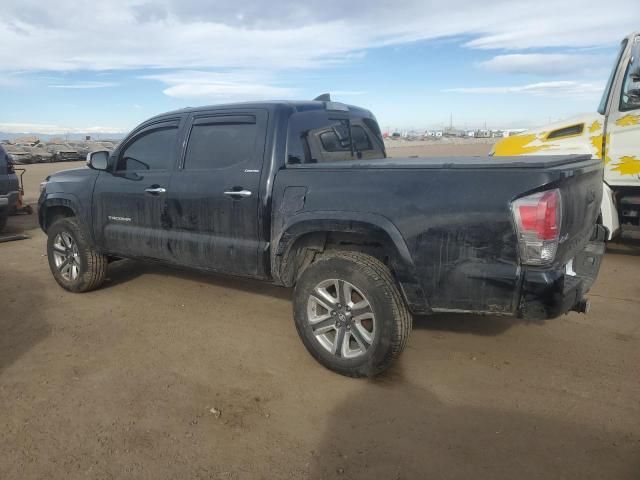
[{"x": 538, "y": 219}]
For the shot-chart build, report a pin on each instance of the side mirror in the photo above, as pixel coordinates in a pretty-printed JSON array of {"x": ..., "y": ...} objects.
[{"x": 98, "y": 160}]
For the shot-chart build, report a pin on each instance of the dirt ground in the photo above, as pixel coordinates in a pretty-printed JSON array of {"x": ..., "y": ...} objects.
[{"x": 171, "y": 374}]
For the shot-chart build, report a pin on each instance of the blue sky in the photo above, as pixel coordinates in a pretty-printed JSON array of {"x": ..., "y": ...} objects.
[{"x": 105, "y": 66}]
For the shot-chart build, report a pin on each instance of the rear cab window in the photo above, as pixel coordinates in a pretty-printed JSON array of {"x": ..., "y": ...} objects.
[{"x": 319, "y": 135}]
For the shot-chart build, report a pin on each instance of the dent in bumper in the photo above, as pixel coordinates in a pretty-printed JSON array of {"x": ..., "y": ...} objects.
[{"x": 551, "y": 293}]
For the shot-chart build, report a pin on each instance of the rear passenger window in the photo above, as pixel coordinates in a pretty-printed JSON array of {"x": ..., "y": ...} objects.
[
  {"x": 153, "y": 150},
  {"x": 315, "y": 137},
  {"x": 220, "y": 145}
]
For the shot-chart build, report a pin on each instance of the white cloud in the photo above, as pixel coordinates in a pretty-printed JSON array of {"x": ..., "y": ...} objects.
[
  {"x": 213, "y": 86},
  {"x": 347, "y": 93},
  {"x": 547, "y": 64},
  {"x": 20, "y": 128},
  {"x": 275, "y": 38},
  {"x": 228, "y": 86},
  {"x": 226, "y": 91},
  {"x": 207, "y": 34},
  {"x": 562, "y": 88},
  {"x": 85, "y": 85},
  {"x": 12, "y": 79}
]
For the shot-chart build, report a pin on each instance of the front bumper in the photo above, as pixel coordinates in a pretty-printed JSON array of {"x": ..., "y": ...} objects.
[{"x": 551, "y": 293}]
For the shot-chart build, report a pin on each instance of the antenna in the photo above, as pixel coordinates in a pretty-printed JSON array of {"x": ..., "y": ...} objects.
[{"x": 325, "y": 97}]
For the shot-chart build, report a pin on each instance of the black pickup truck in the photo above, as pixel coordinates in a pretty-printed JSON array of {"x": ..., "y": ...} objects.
[{"x": 302, "y": 194}]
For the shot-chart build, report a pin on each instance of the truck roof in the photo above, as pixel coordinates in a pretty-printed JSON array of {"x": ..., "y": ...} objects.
[{"x": 297, "y": 105}]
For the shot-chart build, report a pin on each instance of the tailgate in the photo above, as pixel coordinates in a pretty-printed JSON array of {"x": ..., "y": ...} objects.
[{"x": 581, "y": 190}]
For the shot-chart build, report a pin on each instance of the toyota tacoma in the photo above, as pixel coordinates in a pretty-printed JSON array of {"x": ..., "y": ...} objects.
[{"x": 302, "y": 194}]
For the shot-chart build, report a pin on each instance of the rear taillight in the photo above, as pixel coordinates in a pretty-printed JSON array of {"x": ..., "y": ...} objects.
[{"x": 538, "y": 218}]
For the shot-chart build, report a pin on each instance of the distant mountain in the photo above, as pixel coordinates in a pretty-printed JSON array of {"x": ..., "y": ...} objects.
[{"x": 71, "y": 136}]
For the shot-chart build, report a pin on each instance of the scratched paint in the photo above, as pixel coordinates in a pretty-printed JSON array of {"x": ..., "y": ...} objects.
[
  {"x": 628, "y": 120},
  {"x": 628, "y": 165}
]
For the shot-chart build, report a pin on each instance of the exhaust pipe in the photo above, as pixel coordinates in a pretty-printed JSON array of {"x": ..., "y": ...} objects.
[{"x": 582, "y": 306}]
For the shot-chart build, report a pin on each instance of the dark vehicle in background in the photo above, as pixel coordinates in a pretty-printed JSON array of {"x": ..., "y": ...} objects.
[
  {"x": 301, "y": 194},
  {"x": 9, "y": 188}
]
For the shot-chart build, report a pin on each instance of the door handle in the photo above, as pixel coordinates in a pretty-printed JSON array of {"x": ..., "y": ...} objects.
[
  {"x": 155, "y": 190},
  {"x": 238, "y": 193}
]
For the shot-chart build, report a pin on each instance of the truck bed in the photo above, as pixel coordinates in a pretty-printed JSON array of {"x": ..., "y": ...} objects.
[{"x": 454, "y": 215}]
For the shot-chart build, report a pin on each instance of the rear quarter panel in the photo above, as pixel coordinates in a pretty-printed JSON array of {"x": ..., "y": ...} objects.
[{"x": 456, "y": 223}]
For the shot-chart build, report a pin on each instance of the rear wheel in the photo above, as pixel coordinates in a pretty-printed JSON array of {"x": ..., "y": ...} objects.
[
  {"x": 350, "y": 315},
  {"x": 3, "y": 220},
  {"x": 73, "y": 261}
]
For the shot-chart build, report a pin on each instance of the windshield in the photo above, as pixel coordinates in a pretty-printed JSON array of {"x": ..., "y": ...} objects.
[{"x": 602, "y": 108}]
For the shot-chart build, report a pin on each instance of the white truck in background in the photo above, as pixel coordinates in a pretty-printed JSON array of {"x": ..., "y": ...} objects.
[{"x": 612, "y": 134}]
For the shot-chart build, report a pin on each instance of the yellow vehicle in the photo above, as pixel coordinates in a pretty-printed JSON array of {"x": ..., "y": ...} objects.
[{"x": 612, "y": 134}]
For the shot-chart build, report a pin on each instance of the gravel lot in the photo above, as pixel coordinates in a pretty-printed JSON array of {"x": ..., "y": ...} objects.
[{"x": 171, "y": 374}]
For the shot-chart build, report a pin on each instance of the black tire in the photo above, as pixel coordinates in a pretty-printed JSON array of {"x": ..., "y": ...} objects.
[
  {"x": 3, "y": 220},
  {"x": 372, "y": 278},
  {"x": 92, "y": 266}
]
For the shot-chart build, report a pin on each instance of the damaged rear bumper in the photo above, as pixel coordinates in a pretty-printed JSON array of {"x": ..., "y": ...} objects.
[{"x": 551, "y": 293}]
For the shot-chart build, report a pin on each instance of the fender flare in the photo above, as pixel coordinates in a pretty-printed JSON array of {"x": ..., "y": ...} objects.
[
  {"x": 67, "y": 200},
  {"x": 328, "y": 221}
]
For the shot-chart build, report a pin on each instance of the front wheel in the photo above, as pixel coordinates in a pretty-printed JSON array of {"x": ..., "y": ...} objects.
[
  {"x": 73, "y": 261},
  {"x": 350, "y": 315}
]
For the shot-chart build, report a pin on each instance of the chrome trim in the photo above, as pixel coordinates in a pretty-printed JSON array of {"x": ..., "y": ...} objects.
[{"x": 239, "y": 193}]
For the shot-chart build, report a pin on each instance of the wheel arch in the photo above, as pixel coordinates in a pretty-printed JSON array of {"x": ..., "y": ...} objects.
[
  {"x": 53, "y": 208},
  {"x": 306, "y": 235}
]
